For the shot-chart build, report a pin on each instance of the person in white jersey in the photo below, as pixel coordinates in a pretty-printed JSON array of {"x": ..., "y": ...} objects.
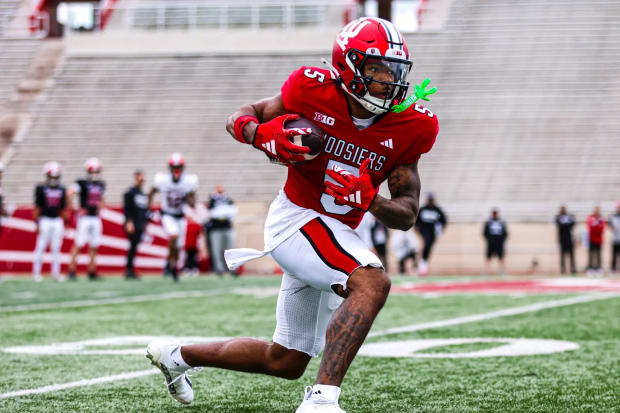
[{"x": 174, "y": 188}]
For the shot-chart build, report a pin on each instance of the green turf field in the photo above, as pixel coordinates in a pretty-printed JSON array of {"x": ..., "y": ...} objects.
[{"x": 585, "y": 379}]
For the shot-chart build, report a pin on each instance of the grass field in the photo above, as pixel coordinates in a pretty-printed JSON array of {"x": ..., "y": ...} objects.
[{"x": 585, "y": 378}]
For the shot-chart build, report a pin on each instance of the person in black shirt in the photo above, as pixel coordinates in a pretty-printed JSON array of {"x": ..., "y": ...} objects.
[
  {"x": 565, "y": 223},
  {"x": 50, "y": 201},
  {"x": 430, "y": 224},
  {"x": 135, "y": 203},
  {"x": 221, "y": 237},
  {"x": 89, "y": 227},
  {"x": 495, "y": 232}
]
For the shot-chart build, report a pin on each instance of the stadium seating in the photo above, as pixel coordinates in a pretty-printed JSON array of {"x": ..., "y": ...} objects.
[
  {"x": 528, "y": 101},
  {"x": 15, "y": 56}
]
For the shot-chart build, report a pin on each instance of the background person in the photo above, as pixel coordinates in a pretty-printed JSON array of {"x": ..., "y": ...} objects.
[
  {"x": 221, "y": 236},
  {"x": 496, "y": 233},
  {"x": 379, "y": 242},
  {"x": 135, "y": 207},
  {"x": 614, "y": 224},
  {"x": 196, "y": 215},
  {"x": 174, "y": 188},
  {"x": 596, "y": 226},
  {"x": 565, "y": 223},
  {"x": 50, "y": 208},
  {"x": 89, "y": 227},
  {"x": 430, "y": 224},
  {"x": 404, "y": 244}
]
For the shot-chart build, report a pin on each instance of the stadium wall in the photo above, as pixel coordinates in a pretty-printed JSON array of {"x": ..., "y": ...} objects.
[{"x": 531, "y": 248}]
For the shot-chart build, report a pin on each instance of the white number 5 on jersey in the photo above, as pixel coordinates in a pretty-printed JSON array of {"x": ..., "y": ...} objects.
[{"x": 328, "y": 201}]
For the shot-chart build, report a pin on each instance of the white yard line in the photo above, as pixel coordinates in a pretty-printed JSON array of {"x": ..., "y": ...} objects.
[
  {"x": 494, "y": 314},
  {"x": 414, "y": 327},
  {"x": 80, "y": 383},
  {"x": 108, "y": 301}
]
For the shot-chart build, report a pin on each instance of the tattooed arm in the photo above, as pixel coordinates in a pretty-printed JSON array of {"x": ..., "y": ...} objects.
[{"x": 401, "y": 211}]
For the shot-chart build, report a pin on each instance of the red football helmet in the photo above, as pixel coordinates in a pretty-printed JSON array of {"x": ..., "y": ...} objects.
[
  {"x": 370, "y": 39},
  {"x": 93, "y": 166},
  {"x": 176, "y": 162}
]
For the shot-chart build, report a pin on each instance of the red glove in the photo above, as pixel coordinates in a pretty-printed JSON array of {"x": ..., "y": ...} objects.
[
  {"x": 356, "y": 192},
  {"x": 275, "y": 141}
]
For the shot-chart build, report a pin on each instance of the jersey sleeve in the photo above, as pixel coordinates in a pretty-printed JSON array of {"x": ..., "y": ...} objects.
[
  {"x": 292, "y": 91},
  {"x": 423, "y": 142},
  {"x": 159, "y": 181},
  {"x": 192, "y": 183}
]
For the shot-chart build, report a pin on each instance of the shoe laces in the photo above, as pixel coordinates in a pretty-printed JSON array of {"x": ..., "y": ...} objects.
[{"x": 191, "y": 372}]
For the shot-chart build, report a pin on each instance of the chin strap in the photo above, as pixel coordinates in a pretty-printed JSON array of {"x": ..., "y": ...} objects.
[
  {"x": 367, "y": 105},
  {"x": 419, "y": 92}
]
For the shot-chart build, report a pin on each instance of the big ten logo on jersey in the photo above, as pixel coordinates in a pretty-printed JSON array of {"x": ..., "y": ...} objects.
[
  {"x": 351, "y": 152},
  {"x": 95, "y": 193},
  {"x": 53, "y": 196},
  {"x": 175, "y": 198},
  {"x": 328, "y": 120}
]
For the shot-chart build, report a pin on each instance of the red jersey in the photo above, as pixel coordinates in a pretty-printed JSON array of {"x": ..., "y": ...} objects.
[
  {"x": 395, "y": 139},
  {"x": 596, "y": 226}
]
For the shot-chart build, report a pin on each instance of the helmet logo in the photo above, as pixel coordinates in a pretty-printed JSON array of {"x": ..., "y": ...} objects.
[
  {"x": 349, "y": 31},
  {"x": 373, "y": 51}
]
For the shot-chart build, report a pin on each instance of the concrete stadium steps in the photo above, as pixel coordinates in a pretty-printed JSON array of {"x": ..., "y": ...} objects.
[
  {"x": 15, "y": 56},
  {"x": 133, "y": 112}
]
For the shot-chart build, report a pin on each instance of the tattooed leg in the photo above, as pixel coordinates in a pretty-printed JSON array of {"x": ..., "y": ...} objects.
[{"x": 367, "y": 290}]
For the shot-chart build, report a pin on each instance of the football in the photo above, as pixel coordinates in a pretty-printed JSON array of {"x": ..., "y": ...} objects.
[{"x": 314, "y": 140}]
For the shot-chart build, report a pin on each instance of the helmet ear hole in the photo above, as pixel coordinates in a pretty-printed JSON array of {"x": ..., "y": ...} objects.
[{"x": 341, "y": 66}]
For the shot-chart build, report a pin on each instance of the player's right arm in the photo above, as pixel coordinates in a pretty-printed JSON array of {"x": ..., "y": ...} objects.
[
  {"x": 262, "y": 125},
  {"x": 264, "y": 110}
]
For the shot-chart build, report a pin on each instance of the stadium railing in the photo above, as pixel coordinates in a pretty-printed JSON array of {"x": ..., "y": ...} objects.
[{"x": 182, "y": 15}]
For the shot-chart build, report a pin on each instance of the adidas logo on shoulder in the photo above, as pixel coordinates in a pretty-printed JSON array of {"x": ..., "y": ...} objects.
[{"x": 388, "y": 143}]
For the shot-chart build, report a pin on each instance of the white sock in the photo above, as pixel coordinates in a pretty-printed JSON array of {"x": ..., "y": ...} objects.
[
  {"x": 176, "y": 356},
  {"x": 326, "y": 391}
]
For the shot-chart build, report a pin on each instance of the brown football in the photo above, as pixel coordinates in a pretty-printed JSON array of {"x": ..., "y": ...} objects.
[{"x": 314, "y": 140}]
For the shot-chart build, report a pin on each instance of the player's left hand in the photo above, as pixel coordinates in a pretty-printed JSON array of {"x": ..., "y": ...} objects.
[{"x": 354, "y": 191}]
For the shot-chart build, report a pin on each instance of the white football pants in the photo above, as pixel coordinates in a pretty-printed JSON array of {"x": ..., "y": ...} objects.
[{"x": 50, "y": 232}]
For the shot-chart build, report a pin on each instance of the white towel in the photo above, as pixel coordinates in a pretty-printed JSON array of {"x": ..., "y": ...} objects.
[{"x": 236, "y": 257}]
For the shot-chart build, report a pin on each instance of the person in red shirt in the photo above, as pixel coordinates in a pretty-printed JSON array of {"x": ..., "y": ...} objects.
[
  {"x": 333, "y": 286},
  {"x": 596, "y": 227}
]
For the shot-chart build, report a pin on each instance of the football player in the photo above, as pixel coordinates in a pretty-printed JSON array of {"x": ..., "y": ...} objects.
[
  {"x": 333, "y": 286},
  {"x": 174, "y": 188},
  {"x": 50, "y": 201},
  {"x": 89, "y": 228}
]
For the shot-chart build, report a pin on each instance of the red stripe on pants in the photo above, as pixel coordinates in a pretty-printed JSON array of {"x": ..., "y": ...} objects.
[{"x": 332, "y": 253}]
